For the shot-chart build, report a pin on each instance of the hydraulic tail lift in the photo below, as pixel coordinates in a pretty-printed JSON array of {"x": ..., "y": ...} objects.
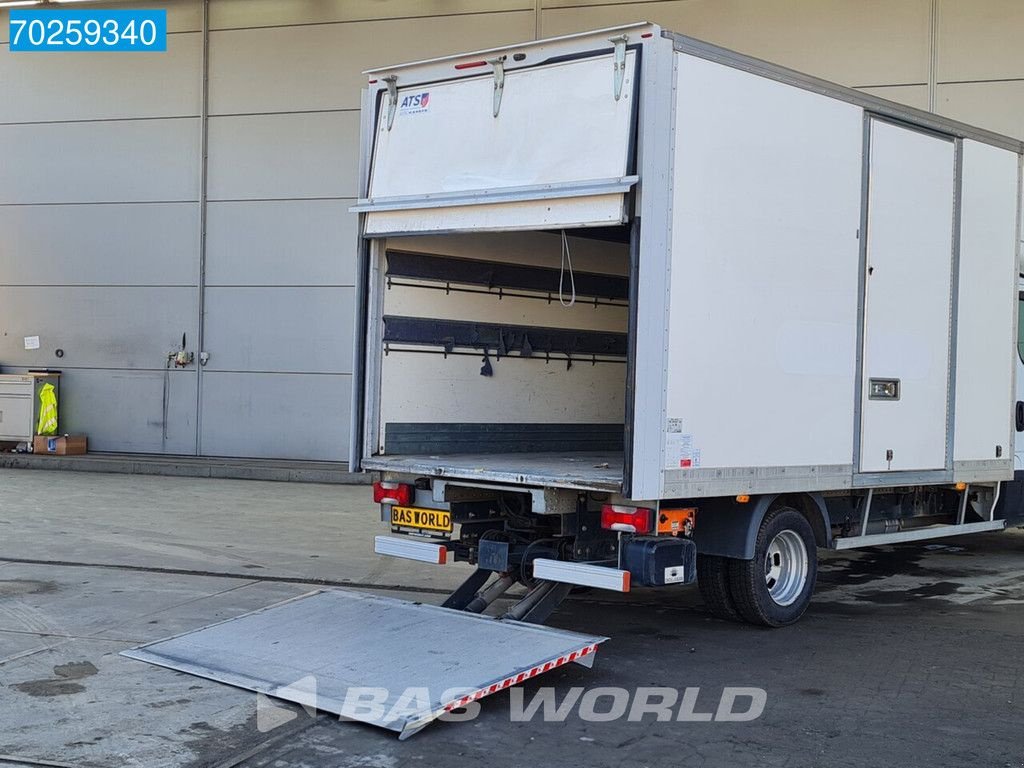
[{"x": 392, "y": 663}]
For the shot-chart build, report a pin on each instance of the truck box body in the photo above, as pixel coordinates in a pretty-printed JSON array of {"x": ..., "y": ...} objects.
[
  {"x": 639, "y": 311},
  {"x": 630, "y": 262}
]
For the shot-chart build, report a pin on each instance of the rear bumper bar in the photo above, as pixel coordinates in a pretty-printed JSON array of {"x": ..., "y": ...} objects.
[
  {"x": 581, "y": 574},
  {"x": 410, "y": 549}
]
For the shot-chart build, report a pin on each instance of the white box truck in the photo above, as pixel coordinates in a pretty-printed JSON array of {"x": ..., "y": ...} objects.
[{"x": 639, "y": 310}]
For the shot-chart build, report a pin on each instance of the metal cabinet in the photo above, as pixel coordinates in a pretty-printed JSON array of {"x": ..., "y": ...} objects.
[{"x": 19, "y": 404}]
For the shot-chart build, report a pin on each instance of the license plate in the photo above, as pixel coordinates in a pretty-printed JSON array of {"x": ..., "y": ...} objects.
[{"x": 421, "y": 519}]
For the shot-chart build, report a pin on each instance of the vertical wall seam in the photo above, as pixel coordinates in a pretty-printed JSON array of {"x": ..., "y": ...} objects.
[
  {"x": 204, "y": 138},
  {"x": 933, "y": 55}
]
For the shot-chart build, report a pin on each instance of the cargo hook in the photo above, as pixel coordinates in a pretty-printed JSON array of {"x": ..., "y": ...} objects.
[
  {"x": 499, "y": 81},
  {"x": 620, "y": 62},
  {"x": 392, "y": 83}
]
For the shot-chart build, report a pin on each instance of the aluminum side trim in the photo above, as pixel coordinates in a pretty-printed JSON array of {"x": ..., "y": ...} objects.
[
  {"x": 918, "y": 534},
  {"x": 496, "y": 195}
]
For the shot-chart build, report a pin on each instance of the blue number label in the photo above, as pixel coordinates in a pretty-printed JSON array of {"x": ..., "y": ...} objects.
[{"x": 81, "y": 29}]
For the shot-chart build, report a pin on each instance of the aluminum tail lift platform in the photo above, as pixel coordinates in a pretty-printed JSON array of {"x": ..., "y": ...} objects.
[{"x": 387, "y": 662}]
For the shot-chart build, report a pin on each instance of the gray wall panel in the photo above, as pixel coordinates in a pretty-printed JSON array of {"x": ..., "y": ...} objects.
[
  {"x": 122, "y": 411},
  {"x": 119, "y": 161},
  {"x": 998, "y": 106},
  {"x": 97, "y": 327},
  {"x": 156, "y": 85},
  {"x": 279, "y": 329},
  {"x": 137, "y": 244},
  {"x": 272, "y": 415},
  {"x": 980, "y": 40},
  {"x": 854, "y": 42},
  {"x": 280, "y": 242},
  {"x": 310, "y": 67},
  {"x": 912, "y": 95},
  {"x": 232, "y": 14},
  {"x": 262, "y": 157},
  {"x": 182, "y": 15}
]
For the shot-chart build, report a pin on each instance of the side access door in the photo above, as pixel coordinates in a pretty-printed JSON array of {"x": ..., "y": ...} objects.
[{"x": 905, "y": 382}]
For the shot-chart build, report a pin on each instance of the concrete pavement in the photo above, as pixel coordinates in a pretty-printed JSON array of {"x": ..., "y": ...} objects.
[
  {"x": 909, "y": 655},
  {"x": 247, "y": 528}
]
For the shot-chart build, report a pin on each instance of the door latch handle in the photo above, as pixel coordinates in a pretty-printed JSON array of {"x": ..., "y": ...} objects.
[
  {"x": 1020, "y": 416},
  {"x": 883, "y": 389}
]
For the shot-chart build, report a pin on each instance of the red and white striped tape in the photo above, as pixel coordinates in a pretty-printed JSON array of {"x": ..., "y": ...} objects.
[{"x": 516, "y": 679}]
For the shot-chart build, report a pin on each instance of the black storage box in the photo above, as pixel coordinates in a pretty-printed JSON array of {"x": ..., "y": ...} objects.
[{"x": 655, "y": 562}]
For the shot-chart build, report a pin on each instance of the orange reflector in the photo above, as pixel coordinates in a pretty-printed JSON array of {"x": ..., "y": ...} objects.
[
  {"x": 961, "y": 486},
  {"x": 676, "y": 521},
  {"x": 742, "y": 498}
]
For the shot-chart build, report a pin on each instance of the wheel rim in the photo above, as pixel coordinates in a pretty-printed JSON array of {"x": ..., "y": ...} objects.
[{"x": 785, "y": 567}]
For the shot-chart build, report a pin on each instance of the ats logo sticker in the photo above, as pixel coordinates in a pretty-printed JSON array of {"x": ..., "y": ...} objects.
[{"x": 414, "y": 103}]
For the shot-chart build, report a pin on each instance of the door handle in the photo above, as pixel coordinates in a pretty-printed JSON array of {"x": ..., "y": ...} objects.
[
  {"x": 883, "y": 389},
  {"x": 1020, "y": 416}
]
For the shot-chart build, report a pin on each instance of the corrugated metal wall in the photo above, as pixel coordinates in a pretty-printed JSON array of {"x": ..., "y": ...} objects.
[{"x": 101, "y": 181}]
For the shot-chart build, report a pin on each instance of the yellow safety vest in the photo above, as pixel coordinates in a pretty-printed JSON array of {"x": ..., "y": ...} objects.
[{"x": 47, "y": 411}]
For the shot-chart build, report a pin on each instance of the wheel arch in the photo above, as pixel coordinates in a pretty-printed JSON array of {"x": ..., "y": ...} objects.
[{"x": 727, "y": 528}]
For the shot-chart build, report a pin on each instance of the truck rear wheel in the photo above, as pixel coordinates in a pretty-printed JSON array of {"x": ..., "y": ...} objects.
[
  {"x": 713, "y": 581},
  {"x": 774, "y": 588}
]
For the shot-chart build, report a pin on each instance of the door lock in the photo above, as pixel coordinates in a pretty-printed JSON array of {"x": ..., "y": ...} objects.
[{"x": 883, "y": 389}]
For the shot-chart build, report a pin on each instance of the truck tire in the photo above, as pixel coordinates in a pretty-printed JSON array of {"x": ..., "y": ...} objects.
[
  {"x": 774, "y": 588},
  {"x": 713, "y": 581}
]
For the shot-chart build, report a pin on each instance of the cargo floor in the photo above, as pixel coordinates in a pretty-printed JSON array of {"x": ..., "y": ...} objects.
[{"x": 591, "y": 471}]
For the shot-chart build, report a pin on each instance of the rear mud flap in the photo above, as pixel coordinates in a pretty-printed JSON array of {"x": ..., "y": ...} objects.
[{"x": 392, "y": 663}]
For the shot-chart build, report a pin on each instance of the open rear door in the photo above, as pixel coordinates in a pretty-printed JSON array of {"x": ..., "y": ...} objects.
[{"x": 542, "y": 147}]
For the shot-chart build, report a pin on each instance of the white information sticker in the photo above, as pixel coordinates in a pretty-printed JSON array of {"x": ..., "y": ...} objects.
[
  {"x": 31, "y": 342},
  {"x": 679, "y": 451}
]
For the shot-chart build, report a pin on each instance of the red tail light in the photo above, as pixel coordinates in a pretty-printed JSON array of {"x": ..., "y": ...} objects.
[
  {"x": 627, "y": 519},
  {"x": 392, "y": 493}
]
